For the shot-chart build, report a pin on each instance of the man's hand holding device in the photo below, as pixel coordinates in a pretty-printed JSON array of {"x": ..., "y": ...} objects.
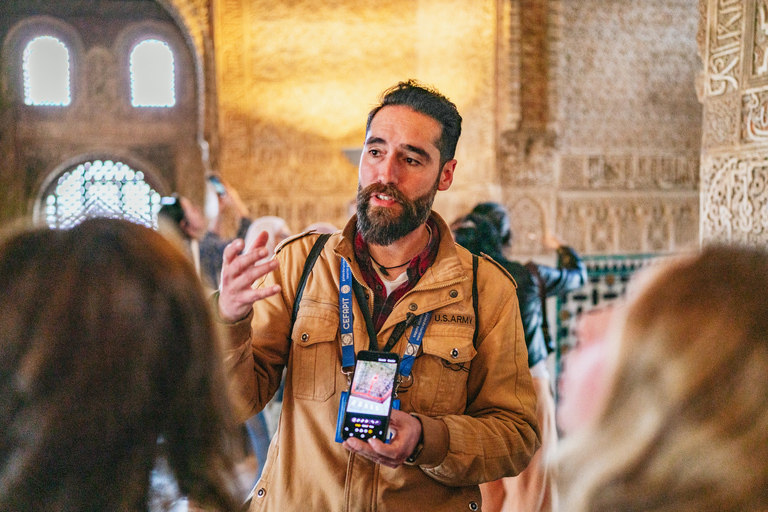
[{"x": 407, "y": 431}]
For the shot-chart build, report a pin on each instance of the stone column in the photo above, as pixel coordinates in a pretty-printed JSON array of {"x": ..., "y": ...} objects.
[{"x": 734, "y": 91}]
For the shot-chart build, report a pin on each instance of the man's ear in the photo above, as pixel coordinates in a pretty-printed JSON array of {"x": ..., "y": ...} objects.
[{"x": 446, "y": 175}]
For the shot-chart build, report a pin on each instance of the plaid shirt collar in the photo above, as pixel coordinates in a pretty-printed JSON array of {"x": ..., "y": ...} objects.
[{"x": 383, "y": 305}]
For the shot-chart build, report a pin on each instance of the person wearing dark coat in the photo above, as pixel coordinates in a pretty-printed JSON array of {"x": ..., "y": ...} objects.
[{"x": 486, "y": 230}]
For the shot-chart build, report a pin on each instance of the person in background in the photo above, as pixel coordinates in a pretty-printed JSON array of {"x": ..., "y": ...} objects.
[
  {"x": 681, "y": 424},
  {"x": 467, "y": 408},
  {"x": 276, "y": 228},
  {"x": 487, "y": 231},
  {"x": 581, "y": 380},
  {"x": 110, "y": 367},
  {"x": 228, "y": 218},
  {"x": 183, "y": 223},
  {"x": 322, "y": 227}
]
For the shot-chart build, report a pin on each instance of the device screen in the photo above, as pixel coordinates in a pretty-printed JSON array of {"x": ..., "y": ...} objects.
[{"x": 370, "y": 397}]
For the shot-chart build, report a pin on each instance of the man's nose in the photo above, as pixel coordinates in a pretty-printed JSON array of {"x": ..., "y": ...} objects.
[{"x": 388, "y": 170}]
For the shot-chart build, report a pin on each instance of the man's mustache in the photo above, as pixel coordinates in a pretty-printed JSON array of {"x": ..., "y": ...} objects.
[{"x": 380, "y": 188}]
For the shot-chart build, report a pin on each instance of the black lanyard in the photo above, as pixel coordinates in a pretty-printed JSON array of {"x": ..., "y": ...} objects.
[{"x": 397, "y": 333}]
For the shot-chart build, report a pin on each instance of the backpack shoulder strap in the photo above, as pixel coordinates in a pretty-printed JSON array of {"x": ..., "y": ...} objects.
[
  {"x": 317, "y": 248},
  {"x": 475, "y": 299}
]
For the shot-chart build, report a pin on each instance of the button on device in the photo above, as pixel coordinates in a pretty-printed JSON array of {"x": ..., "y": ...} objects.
[
  {"x": 454, "y": 294},
  {"x": 455, "y": 353}
]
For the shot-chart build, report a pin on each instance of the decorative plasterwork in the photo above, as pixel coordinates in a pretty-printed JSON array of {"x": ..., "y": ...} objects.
[
  {"x": 724, "y": 51},
  {"x": 756, "y": 44},
  {"x": 734, "y": 199},
  {"x": 629, "y": 172},
  {"x": 630, "y": 224}
]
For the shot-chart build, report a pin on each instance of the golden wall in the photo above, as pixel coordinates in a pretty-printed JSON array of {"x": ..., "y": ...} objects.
[{"x": 296, "y": 79}]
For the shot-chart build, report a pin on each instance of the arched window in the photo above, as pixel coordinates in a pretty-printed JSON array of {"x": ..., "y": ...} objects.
[
  {"x": 46, "y": 72},
  {"x": 152, "y": 75},
  {"x": 100, "y": 189}
]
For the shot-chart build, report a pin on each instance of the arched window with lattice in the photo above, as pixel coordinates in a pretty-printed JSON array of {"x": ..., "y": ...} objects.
[
  {"x": 153, "y": 80},
  {"x": 45, "y": 64},
  {"x": 99, "y": 188}
]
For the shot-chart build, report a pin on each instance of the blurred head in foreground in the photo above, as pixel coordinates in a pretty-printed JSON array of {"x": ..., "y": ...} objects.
[
  {"x": 108, "y": 362},
  {"x": 682, "y": 421}
]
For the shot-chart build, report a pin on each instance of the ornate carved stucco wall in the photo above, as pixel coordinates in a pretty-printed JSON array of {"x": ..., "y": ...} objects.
[
  {"x": 734, "y": 90},
  {"x": 296, "y": 80},
  {"x": 627, "y": 126}
]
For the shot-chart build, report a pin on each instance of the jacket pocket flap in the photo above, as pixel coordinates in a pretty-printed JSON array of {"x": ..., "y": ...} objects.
[
  {"x": 311, "y": 329},
  {"x": 449, "y": 346}
]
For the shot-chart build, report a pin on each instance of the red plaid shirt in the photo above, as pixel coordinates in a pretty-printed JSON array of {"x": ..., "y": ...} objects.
[{"x": 383, "y": 305}]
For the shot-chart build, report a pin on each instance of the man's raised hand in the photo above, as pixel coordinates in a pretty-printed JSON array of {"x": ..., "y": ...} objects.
[{"x": 238, "y": 274}]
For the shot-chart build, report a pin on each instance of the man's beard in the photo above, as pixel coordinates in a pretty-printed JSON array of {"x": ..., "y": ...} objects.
[{"x": 380, "y": 225}]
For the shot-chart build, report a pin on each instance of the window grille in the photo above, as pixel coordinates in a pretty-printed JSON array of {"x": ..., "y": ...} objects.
[
  {"x": 101, "y": 189},
  {"x": 45, "y": 65},
  {"x": 152, "y": 75}
]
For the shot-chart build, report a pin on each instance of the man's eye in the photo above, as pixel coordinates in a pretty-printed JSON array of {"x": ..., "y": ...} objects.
[
  {"x": 411, "y": 161},
  {"x": 374, "y": 152}
]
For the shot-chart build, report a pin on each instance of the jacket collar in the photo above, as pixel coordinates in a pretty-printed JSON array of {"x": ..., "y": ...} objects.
[{"x": 446, "y": 269}]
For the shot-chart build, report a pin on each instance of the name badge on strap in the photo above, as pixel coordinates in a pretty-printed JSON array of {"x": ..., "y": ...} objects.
[{"x": 346, "y": 318}]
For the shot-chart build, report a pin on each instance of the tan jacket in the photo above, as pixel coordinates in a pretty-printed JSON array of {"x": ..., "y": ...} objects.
[{"x": 477, "y": 407}]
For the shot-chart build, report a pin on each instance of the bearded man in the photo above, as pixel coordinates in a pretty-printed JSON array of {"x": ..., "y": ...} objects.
[{"x": 467, "y": 407}]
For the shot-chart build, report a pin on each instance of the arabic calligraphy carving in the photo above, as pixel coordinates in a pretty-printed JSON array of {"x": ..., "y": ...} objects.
[
  {"x": 725, "y": 46},
  {"x": 755, "y": 117}
]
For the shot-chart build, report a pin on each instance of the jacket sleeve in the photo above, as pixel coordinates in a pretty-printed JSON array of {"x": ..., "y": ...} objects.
[
  {"x": 571, "y": 273},
  {"x": 497, "y": 435},
  {"x": 260, "y": 345}
]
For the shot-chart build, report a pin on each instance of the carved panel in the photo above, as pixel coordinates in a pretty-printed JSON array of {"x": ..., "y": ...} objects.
[
  {"x": 754, "y": 127},
  {"x": 756, "y": 43},
  {"x": 735, "y": 199},
  {"x": 725, "y": 38},
  {"x": 527, "y": 221},
  {"x": 631, "y": 224},
  {"x": 630, "y": 171},
  {"x": 721, "y": 120},
  {"x": 626, "y": 75},
  {"x": 101, "y": 87},
  {"x": 527, "y": 159}
]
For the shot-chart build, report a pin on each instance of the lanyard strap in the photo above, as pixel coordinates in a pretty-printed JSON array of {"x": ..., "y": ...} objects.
[
  {"x": 346, "y": 317},
  {"x": 346, "y": 320},
  {"x": 417, "y": 334}
]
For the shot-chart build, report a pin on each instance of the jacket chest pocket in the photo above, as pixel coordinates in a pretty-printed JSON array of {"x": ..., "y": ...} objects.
[
  {"x": 440, "y": 372},
  {"x": 315, "y": 356}
]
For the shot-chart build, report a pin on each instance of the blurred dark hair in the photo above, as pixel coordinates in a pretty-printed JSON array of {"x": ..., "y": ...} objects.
[
  {"x": 499, "y": 216},
  {"x": 478, "y": 235},
  {"x": 107, "y": 346},
  {"x": 427, "y": 100}
]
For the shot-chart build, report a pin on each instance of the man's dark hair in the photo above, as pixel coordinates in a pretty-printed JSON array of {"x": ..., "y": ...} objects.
[
  {"x": 427, "y": 100},
  {"x": 478, "y": 235},
  {"x": 499, "y": 217}
]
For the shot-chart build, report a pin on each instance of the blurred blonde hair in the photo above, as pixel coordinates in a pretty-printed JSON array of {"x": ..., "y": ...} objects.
[{"x": 684, "y": 422}]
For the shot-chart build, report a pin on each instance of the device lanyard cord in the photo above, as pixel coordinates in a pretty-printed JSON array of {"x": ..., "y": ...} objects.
[{"x": 346, "y": 319}]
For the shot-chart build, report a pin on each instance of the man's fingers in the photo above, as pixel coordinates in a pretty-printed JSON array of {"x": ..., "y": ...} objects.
[
  {"x": 259, "y": 242},
  {"x": 232, "y": 249}
]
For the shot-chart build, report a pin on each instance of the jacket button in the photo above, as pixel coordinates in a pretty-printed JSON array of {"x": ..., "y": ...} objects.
[
  {"x": 454, "y": 294},
  {"x": 412, "y": 306},
  {"x": 473, "y": 505},
  {"x": 455, "y": 353},
  {"x": 261, "y": 492},
  {"x": 304, "y": 337}
]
